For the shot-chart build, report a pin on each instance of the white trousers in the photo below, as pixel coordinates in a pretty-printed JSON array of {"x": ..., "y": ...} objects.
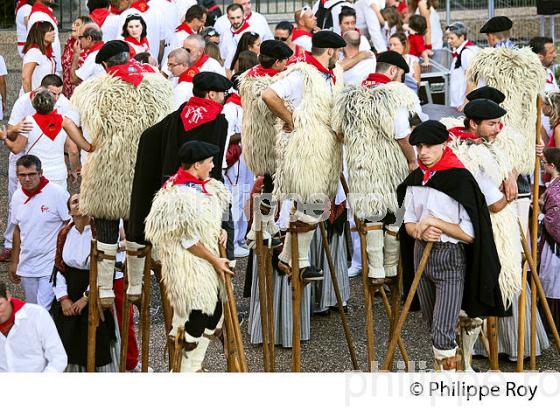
[
  {"x": 38, "y": 290},
  {"x": 239, "y": 180},
  {"x": 12, "y": 186}
]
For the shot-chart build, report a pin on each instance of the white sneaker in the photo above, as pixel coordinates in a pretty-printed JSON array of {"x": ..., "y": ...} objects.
[
  {"x": 354, "y": 271},
  {"x": 240, "y": 252}
]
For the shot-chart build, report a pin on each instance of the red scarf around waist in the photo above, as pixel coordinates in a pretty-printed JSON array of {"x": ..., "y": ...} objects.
[
  {"x": 16, "y": 307},
  {"x": 468, "y": 44},
  {"x": 41, "y": 8},
  {"x": 182, "y": 177},
  {"x": 375, "y": 79},
  {"x": 447, "y": 161},
  {"x": 298, "y": 32},
  {"x": 42, "y": 183},
  {"x": 140, "y": 5},
  {"x": 243, "y": 27},
  {"x": 198, "y": 111},
  {"x": 193, "y": 70},
  {"x": 260, "y": 71},
  {"x": 129, "y": 73},
  {"x": 184, "y": 27},
  {"x": 309, "y": 59},
  {"x": 99, "y": 15},
  {"x": 50, "y": 124}
]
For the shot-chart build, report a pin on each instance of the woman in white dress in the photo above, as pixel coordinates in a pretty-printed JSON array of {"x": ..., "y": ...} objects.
[
  {"x": 135, "y": 35},
  {"x": 38, "y": 57}
]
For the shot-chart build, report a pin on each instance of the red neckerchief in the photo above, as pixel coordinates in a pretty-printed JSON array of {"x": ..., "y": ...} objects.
[
  {"x": 20, "y": 4},
  {"x": 550, "y": 77},
  {"x": 115, "y": 11},
  {"x": 50, "y": 124},
  {"x": 461, "y": 133},
  {"x": 87, "y": 51},
  {"x": 402, "y": 7},
  {"x": 193, "y": 70},
  {"x": 198, "y": 111},
  {"x": 309, "y": 59},
  {"x": 127, "y": 72},
  {"x": 249, "y": 16},
  {"x": 141, "y": 67},
  {"x": 468, "y": 44},
  {"x": 42, "y": 183},
  {"x": 16, "y": 307},
  {"x": 99, "y": 15},
  {"x": 38, "y": 8},
  {"x": 48, "y": 50},
  {"x": 140, "y": 5},
  {"x": 184, "y": 27},
  {"x": 234, "y": 99},
  {"x": 375, "y": 79},
  {"x": 244, "y": 26},
  {"x": 447, "y": 161},
  {"x": 142, "y": 42},
  {"x": 298, "y": 32},
  {"x": 260, "y": 71},
  {"x": 182, "y": 177}
]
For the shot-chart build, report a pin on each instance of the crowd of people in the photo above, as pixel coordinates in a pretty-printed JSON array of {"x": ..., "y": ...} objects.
[{"x": 190, "y": 130}]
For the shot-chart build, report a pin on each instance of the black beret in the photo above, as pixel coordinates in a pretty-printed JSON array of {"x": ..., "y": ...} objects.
[
  {"x": 194, "y": 151},
  {"x": 429, "y": 132},
  {"x": 275, "y": 49},
  {"x": 393, "y": 58},
  {"x": 483, "y": 109},
  {"x": 490, "y": 93},
  {"x": 110, "y": 49},
  {"x": 208, "y": 81},
  {"x": 327, "y": 39},
  {"x": 496, "y": 24}
]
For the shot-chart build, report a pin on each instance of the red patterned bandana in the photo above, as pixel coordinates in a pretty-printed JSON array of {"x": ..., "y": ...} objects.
[
  {"x": 198, "y": 111},
  {"x": 127, "y": 72},
  {"x": 260, "y": 71}
]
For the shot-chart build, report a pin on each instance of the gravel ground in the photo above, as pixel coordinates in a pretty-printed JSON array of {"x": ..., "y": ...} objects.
[{"x": 325, "y": 352}]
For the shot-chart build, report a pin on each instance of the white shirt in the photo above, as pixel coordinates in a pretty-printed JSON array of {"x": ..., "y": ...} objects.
[
  {"x": 234, "y": 117},
  {"x": 368, "y": 23},
  {"x": 156, "y": 28},
  {"x": 44, "y": 66},
  {"x": 256, "y": 20},
  {"x": 33, "y": 343},
  {"x": 23, "y": 107},
  {"x": 111, "y": 28},
  {"x": 304, "y": 42},
  {"x": 421, "y": 202},
  {"x": 39, "y": 221},
  {"x": 436, "y": 34},
  {"x": 50, "y": 152},
  {"x": 290, "y": 88},
  {"x": 168, "y": 11},
  {"x": 181, "y": 7},
  {"x": 229, "y": 42},
  {"x": 89, "y": 68},
  {"x": 173, "y": 41},
  {"x": 40, "y": 16},
  {"x": 491, "y": 192},
  {"x": 458, "y": 79},
  {"x": 21, "y": 29},
  {"x": 3, "y": 72},
  {"x": 182, "y": 92},
  {"x": 358, "y": 73}
]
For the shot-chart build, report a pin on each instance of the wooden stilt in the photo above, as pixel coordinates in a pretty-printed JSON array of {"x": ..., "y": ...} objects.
[
  {"x": 404, "y": 313},
  {"x": 270, "y": 307},
  {"x": 125, "y": 323},
  {"x": 492, "y": 329},
  {"x": 145, "y": 307},
  {"x": 261, "y": 267},
  {"x": 368, "y": 301},
  {"x": 232, "y": 358},
  {"x": 334, "y": 280},
  {"x": 296, "y": 300},
  {"x": 167, "y": 310},
  {"x": 521, "y": 318},
  {"x": 93, "y": 312},
  {"x": 178, "y": 350},
  {"x": 389, "y": 314}
]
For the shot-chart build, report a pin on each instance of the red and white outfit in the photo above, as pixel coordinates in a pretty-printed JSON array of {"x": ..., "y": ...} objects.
[
  {"x": 90, "y": 68},
  {"x": 173, "y": 41},
  {"x": 39, "y": 215},
  {"x": 257, "y": 21},
  {"x": 45, "y": 64},
  {"x": 40, "y": 12},
  {"x": 137, "y": 46},
  {"x": 302, "y": 38},
  {"x": 458, "y": 79},
  {"x": 155, "y": 24},
  {"x": 230, "y": 39},
  {"x": 111, "y": 29},
  {"x": 23, "y": 10}
]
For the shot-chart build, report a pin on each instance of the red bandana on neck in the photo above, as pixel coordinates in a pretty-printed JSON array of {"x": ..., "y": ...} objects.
[
  {"x": 199, "y": 111},
  {"x": 549, "y": 77},
  {"x": 50, "y": 124},
  {"x": 41, "y": 8},
  {"x": 193, "y": 70},
  {"x": 447, "y": 161},
  {"x": 142, "y": 42},
  {"x": 182, "y": 177},
  {"x": 48, "y": 50},
  {"x": 127, "y": 72},
  {"x": 115, "y": 11},
  {"x": 243, "y": 27},
  {"x": 16, "y": 307},
  {"x": 260, "y": 71},
  {"x": 375, "y": 79},
  {"x": 298, "y": 32},
  {"x": 309, "y": 59},
  {"x": 461, "y": 133},
  {"x": 140, "y": 5},
  {"x": 234, "y": 99},
  {"x": 184, "y": 27},
  {"x": 469, "y": 43},
  {"x": 42, "y": 183},
  {"x": 99, "y": 15},
  {"x": 141, "y": 67},
  {"x": 87, "y": 51}
]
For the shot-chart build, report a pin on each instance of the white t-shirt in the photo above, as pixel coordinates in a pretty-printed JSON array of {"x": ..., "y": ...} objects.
[
  {"x": 290, "y": 88},
  {"x": 90, "y": 68},
  {"x": 168, "y": 11},
  {"x": 181, "y": 93},
  {"x": 3, "y": 72},
  {"x": 155, "y": 31},
  {"x": 44, "y": 66},
  {"x": 358, "y": 73},
  {"x": 39, "y": 221},
  {"x": 436, "y": 35},
  {"x": 304, "y": 42},
  {"x": 181, "y": 7},
  {"x": 23, "y": 107},
  {"x": 229, "y": 42},
  {"x": 21, "y": 29},
  {"x": 50, "y": 152},
  {"x": 40, "y": 16},
  {"x": 491, "y": 192},
  {"x": 112, "y": 29},
  {"x": 458, "y": 79},
  {"x": 368, "y": 23},
  {"x": 256, "y": 20},
  {"x": 173, "y": 41}
]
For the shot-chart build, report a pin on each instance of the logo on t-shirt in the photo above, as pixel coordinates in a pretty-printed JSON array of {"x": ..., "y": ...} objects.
[{"x": 44, "y": 208}]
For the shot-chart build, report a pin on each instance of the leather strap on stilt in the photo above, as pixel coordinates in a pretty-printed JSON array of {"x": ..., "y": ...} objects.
[
  {"x": 388, "y": 232},
  {"x": 301, "y": 227},
  {"x": 363, "y": 228},
  {"x": 101, "y": 256},
  {"x": 141, "y": 253}
]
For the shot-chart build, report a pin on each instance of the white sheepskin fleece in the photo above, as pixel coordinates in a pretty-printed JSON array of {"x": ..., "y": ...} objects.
[
  {"x": 376, "y": 163},
  {"x": 309, "y": 159},
  {"x": 116, "y": 113},
  {"x": 518, "y": 73},
  {"x": 179, "y": 213}
]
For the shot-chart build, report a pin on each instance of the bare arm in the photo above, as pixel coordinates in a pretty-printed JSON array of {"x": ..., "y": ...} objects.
[
  {"x": 18, "y": 145},
  {"x": 221, "y": 265},
  {"x": 26, "y": 74},
  {"x": 73, "y": 156},
  {"x": 76, "y": 135},
  {"x": 16, "y": 246},
  {"x": 408, "y": 152},
  {"x": 450, "y": 229},
  {"x": 348, "y": 63},
  {"x": 377, "y": 12},
  {"x": 498, "y": 206},
  {"x": 276, "y": 105},
  {"x": 416, "y": 72},
  {"x": 75, "y": 62}
]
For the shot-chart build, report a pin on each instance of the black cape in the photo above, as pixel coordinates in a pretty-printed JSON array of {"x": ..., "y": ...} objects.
[
  {"x": 482, "y": 296},
  {"x": 157, "y": 159}
]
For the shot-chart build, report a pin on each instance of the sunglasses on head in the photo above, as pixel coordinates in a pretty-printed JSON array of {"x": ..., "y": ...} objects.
[{"x": 304, "y": 10}]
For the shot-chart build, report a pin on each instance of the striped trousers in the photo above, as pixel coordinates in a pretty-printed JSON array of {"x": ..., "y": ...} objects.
[{"x": 440, "y": 290}]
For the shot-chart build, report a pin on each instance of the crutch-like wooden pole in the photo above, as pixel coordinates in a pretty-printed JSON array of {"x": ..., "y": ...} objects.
[
  {"x": 334, "y": 280},
  {"x": 178, "y": 350},
  {"x": 270, "y": 308},
  {"x": 261, "y": 266},
  {"x": 389, "y": 314},
  {"x": 492, "y": 329},
  {"x": 534, "y": 233},
  {"x": 404, "y": 313},
  {"x": 296, "y": 300},
  {"x": 229, "y": 342},
  {"x": 167, "y": 310},
  {"x": 368, "y": 305},
  {"x": 542, "y": 296},
  {"x": 145, "y": 306},
  {"x": 125, "y": 323},
  {"x": 521, "y": 317},
  {"x": 93, "y": 314}
]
